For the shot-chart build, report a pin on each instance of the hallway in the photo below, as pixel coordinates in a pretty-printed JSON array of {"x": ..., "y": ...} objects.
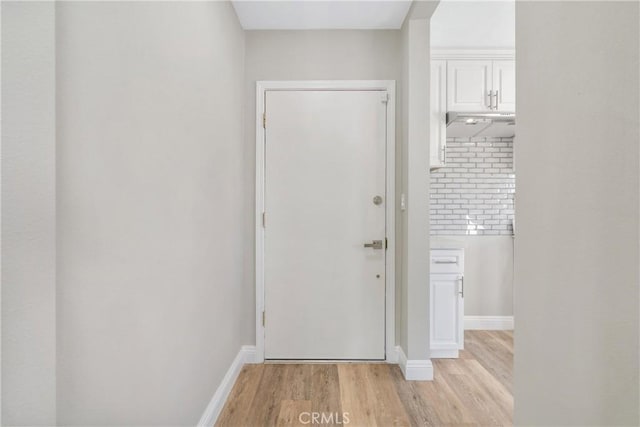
[{"x": 472, "y": 390}]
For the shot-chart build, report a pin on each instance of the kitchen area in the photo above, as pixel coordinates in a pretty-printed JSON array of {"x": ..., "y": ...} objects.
[{"x": 472, "y": 171}]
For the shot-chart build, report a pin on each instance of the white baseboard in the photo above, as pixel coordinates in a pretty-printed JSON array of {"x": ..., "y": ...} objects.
[
  {"x": 441, "y": 353},
  {"x": 488, "y": 323},
  {"x": 414, "y": 370},
  {"x": 247, "y": 354},
  {"x": 392, "y": 355}
]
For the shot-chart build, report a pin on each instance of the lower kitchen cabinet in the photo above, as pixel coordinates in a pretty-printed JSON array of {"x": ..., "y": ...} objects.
[{"x": 447, "y": 302}]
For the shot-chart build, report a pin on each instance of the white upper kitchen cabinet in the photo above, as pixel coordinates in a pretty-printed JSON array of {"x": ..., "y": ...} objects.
[
  {"x": 438, "y": 113},
  {"x": 504, "y": 85},
  {"x": 477, "y": 85},
  {"x": 469, "y": 85},
  {"x": 468, "y": 82}
]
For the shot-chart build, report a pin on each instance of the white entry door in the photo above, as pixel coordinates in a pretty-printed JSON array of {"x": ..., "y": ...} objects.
[{"x": 324, "y": 196}]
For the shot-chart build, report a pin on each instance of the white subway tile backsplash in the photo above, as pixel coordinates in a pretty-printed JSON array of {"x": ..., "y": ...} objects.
[{"x": 474, "y": 192}]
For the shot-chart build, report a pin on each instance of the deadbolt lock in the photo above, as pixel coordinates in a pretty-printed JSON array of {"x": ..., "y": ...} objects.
[{"x": 377, "y": 200}]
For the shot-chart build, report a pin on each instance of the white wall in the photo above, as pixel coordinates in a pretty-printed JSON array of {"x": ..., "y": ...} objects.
[
  {"x": 488, "y": 272},
  {"x": 28, "y": 214},
  {"x": 474, "y": 24},
  {"x": 576, "y": 270},
  {"x": 309, "y": 55},
  {"x": 151, "y": 304}
]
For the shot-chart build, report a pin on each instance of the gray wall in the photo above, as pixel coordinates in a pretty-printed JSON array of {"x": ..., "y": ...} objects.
[
  {"x": 576, "y": 246},
  {"x": 310, "y": 55},
  {"x": 361, "y": 55},
  {"x": 151, "y": 307},
  {"x": 28, "y": 214},
  {"x": 413, "y": 288}
]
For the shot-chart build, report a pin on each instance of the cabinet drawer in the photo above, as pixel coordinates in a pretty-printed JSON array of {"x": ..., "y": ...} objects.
[{"x": 444, "y": 261}]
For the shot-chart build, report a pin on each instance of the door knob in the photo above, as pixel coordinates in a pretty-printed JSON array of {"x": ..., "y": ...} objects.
[{"x": 375, "y": 244}]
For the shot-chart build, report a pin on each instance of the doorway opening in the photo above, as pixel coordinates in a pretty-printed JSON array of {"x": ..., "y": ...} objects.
[{"x": 473, "y": 186}]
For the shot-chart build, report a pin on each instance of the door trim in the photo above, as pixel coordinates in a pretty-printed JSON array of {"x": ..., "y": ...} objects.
[{"x": 390, "y": 284}]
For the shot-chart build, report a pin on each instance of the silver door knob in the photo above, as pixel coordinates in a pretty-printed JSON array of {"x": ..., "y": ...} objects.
[{"x": 375, "y": 244}]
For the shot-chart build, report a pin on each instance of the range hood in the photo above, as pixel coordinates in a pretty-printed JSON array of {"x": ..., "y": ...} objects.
[{"x": 466, "y": 125}]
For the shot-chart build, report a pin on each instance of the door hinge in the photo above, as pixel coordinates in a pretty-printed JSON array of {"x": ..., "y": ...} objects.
[
  {"x": 384, "y": 97},
  {"x": 264, "y": 219},
  {"x": 386, "y": 243},
  {"x": 263, "y": 318},
  {"x": 264, "y": 120}
]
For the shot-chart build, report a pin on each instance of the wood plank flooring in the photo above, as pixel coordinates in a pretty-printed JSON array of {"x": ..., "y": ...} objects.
[{"x": 474, "y": 390}]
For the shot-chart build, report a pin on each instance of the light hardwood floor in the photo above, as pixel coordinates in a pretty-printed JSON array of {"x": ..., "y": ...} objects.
[{"x": 472, "y": 390}]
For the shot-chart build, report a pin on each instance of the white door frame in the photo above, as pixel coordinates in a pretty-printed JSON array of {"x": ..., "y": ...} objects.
[{"x": 390, "y": 283}]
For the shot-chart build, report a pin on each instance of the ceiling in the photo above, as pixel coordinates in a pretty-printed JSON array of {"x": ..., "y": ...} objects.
[
  {"x": 321, "y": 15},
  {"x": 474, "y": 25}
]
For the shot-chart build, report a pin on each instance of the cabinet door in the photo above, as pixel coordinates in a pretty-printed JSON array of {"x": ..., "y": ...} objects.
[
  {"x": 447, "y": 311},
  {"x": 438, "y": 113},
  {"x": 468, "y": 85},
  {"x": 504, "y": 83}
]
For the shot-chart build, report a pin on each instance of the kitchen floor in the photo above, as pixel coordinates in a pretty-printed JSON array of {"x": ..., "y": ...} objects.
[{"x": 472, "y": 390}]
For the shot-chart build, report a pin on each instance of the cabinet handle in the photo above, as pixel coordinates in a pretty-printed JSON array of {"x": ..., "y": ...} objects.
[
  {"x": 496, "y": 99},
  {"x": 488, "y": 100},
  {"x": 491, "y": 106},
  {"x": 461, "y": 286}
]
